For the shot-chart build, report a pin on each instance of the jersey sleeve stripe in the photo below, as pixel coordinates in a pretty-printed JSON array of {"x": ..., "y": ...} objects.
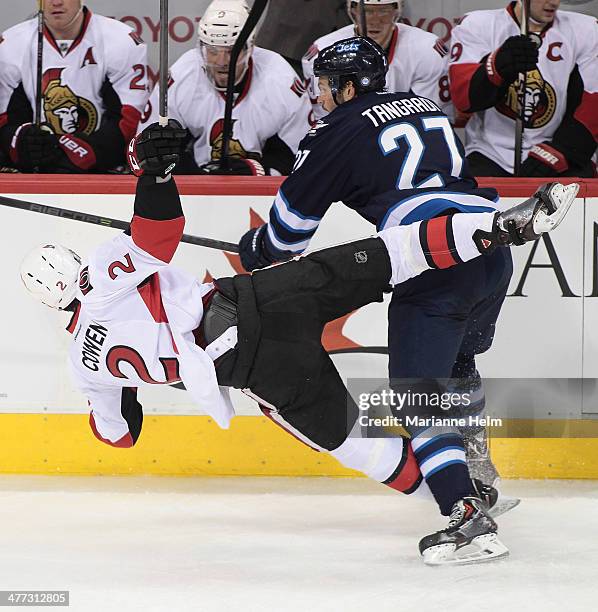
[
  {"x": 281, "y": 198},
  {"x": 158, "y": 238},
  {"x": 129, "y": 121},
  {"x": 587, "y": 113},
  {"x": 285, "y": 247},
  {"x": 125, "y": 442},
  {"x": 460, "y": 76},
  {"x": 280, "y": 216}
]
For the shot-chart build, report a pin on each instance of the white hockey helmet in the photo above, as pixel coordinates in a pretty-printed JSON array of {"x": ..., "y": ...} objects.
[
  {"x": 51, "y": 274},
  {"x": 222, "y": 23},
  {"x": 352, "y": 4}
]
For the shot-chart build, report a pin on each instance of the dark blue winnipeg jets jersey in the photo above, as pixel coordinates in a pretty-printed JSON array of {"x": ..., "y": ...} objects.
[{"x": 394, "y": 158}]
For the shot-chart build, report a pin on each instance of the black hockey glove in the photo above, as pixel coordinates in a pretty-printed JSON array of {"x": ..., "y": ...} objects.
[
  {"x": 544, "y": 160},
  {"x": 251, "y": 250},
  {"x": 34, "y": 147},
  {"x": 157, "y": 150},
  {"x": 239, "y": 166},
  {"x": 517, "y": 54}
]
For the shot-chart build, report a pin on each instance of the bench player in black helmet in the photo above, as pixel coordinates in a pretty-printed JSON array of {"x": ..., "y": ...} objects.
[{"x": 394, "y": 158}]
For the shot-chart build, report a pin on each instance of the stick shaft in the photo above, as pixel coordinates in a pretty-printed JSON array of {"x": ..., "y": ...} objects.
[
  {"x": 84, "y": 217},
  {"x": 163, "y": 73},
  {"x": 255, "y": 14},
  {"x": 519, "y": 120},
  {"x": 40, "y": 61},
  {"x": 363, "y": 25}
]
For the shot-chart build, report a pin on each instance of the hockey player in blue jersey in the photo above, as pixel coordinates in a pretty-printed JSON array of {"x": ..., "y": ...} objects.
[{"x": 395, "y": 159}]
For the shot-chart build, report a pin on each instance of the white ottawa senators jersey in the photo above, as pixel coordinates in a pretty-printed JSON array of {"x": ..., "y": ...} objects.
[
  {"x": 416, "y": 62},
  {"x": 273, "y": 103},
  {"x": 572, "y": 39},
  {"x": 73, "y": 76},
  {"x": 135, "y": 325}
]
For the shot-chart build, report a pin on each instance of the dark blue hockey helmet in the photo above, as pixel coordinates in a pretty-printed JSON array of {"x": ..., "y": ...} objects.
[{"x": 359, "y": 60}]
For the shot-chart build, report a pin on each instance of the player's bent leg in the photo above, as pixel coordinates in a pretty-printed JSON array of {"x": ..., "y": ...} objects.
[
  {"x": 326, "y": 284},
  {"x": 388, "y": 460},
  {"x": 434, "y": 244}
]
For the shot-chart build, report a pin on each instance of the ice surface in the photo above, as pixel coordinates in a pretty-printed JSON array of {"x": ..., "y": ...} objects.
[{"x": 248, "y": 544}]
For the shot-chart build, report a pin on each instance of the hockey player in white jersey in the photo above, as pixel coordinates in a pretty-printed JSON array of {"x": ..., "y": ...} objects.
[
  {"x": 271, "y": 113},
  {"x": 138, "y": 321},
  {"x": 416, "y": 58},
  {"x": 561, "y": 102},
  {"x": 93, "y": 90}
]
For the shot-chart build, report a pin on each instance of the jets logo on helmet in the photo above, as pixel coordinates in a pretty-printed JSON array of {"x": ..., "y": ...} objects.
[
  {"x": 51, "y": 274},
  {"x": 359, "y": 60}
]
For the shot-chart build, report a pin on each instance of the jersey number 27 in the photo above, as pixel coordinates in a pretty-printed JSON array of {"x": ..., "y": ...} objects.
[{"x": 391, "y": 140}]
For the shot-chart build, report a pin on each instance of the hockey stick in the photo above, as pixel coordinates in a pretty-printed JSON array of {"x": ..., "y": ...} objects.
[
  {"x": 363, "y": 24},
  {"x": 40, "y": 61},
  {"x": 76, "y": 215},
  {"x": 519, "y": 119},
  {"x": 255, "y": 14},
  {"x": 163, "y": 69}
]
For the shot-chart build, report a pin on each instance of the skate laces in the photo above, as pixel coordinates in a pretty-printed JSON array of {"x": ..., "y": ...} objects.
[{"x": 458, "y": 512}]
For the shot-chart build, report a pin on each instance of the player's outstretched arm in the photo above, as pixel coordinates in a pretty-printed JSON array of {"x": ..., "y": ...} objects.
[
  {"x": 158, "y": 220},
  {"x": 446, "y": 241},
  {"x": 116, "y": 416}
]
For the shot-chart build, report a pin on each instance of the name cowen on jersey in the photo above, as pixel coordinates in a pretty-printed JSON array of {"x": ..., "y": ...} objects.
[{"x": 93, "y": 91}]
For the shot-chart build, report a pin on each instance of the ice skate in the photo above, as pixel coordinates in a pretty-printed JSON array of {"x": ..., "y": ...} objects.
[
  {"x": 496, "y": 503},
  {"x": 469, "y": 538},
  {"x": 541, "y": 213}
]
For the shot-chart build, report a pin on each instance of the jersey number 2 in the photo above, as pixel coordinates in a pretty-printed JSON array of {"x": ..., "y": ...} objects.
[{"x": 391, "y": 138}]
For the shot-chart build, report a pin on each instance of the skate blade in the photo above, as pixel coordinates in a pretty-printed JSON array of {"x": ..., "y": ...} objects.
[
  {"x": 503, "y": 504},
  {"x": 546, "y": 223},
  {"x": 489, "y": 548}
]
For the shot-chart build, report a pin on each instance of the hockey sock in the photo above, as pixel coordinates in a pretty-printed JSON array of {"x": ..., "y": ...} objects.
[
  {"x": 433, "y": 244},
  {"x": 390, "y": 461},
  {"x": 441, "y": 458}
]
